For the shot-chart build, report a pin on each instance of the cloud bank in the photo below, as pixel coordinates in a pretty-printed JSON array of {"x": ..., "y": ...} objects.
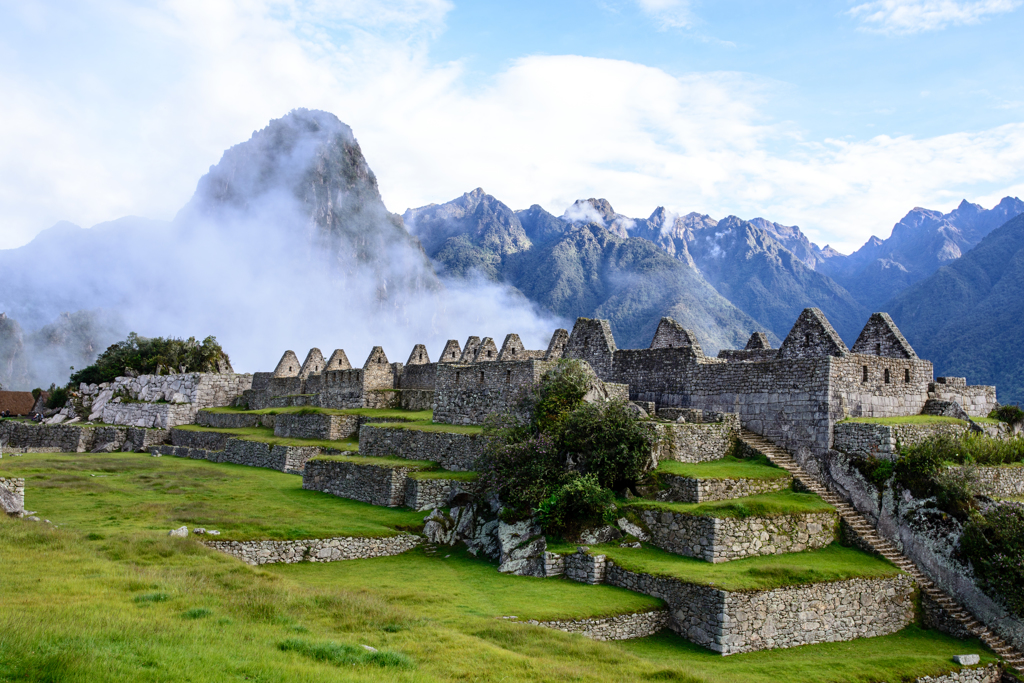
[{"x": 899, "y": 17}]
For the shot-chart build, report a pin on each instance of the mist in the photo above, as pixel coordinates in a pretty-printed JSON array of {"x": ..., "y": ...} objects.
[{"x": 286, "y": 244}]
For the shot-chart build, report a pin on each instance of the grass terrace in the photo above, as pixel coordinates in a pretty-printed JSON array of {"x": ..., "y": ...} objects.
[
  {"x": 139, "y": 494},
  {"x": 266, "y": 435},
  {"x": 431, "y": 426},
  {"x": 728, "y": 467},
  {"x": 762, "y": 505},
  {"x": 918, "y": 420},
  {"x": 832, "y": 563},
  {"x": 384, "y": 413}
]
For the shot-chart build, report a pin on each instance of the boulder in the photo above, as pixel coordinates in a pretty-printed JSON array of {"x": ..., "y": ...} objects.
[
  {"x": 521, "y": 547},
  {"x": 180, "y": 532},
  {"x": 967, "y": 660}
]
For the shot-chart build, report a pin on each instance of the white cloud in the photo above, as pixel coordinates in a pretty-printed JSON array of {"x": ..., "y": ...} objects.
[
  {"x": 914, "y": 16},
  {"x": 670, "y": 13},
  {"x": 131, "y": 131}
]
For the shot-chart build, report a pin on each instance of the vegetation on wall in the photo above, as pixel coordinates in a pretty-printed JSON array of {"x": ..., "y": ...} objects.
[
  {"x": 993, "y": 542},
  {"x": 561, "y": 458},
  {"x": 148, "y": 355}
]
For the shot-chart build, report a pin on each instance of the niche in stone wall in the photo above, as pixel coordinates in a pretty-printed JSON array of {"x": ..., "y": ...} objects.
[
  {"x": 482, "y": 374},
  {"x": 887, "y": 375},
  {"x": 508, "y": 377},
  {"x": 865, "y": 377},
  {"x": 906, "y": 376},
  {"x": 457, "y": 377}
]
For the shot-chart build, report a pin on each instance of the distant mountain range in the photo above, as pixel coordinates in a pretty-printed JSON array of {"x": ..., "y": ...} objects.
[{"x": 287, "y": 237}]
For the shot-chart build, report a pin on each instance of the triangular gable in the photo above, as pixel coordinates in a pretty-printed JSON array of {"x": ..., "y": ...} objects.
[
  {"x": 469, "y": 350},
  {"x": 376, "y": 357},
  {"x": 812, "y": 336},
  {"x": 881, "y": 337},
  {"x": 313, "y": 364},
  {"x": 757, "y": 342},
  {"x": 672, "y": 335},
  {"x": 338, "y": 361},
  {"x": 288, "y": 366},
  {"x": 419, "y": 355},
  {"x": 487, "y": 351},
  {"x": 512, "y": 348},
  {"x": 557, "y": 344},
  {"x": 452, "y": 352}
]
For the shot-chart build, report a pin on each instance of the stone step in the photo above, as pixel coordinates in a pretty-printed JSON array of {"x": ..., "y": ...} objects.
[{"x": 886, "y": 549}]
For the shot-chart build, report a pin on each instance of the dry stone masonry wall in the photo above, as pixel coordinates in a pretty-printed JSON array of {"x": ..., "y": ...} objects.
[
  {"x": 316, "y": 426},
  {"x": 12, "y": 496},
  {"x": 691, "y": 490},
  {"x": 619, "y": 627},
  {"x": 288, "y": 459},
  {"x": 316, "y": 550},
  {"x": 455, "y": 452},
  {"x": 28, "y": 437},
  {"x": 720, "y": 539},
  {"x": 377, "y": 485},
  {"x": 696, "y": 442}
]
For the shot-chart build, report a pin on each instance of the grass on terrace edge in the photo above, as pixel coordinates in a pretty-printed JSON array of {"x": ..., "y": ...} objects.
[
  {"x": 421, "y": 420},
  {"x": 152, "y": 608},
  {"x": 832, "y": 563},
  {"x": 729, "y": 467},
  {"x": 761, "y": 505},
  {"x": 266, "y": 435},
  {"x": 136, "y": 493}
]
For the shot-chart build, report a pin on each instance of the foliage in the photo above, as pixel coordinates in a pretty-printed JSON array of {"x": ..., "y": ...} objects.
[
  {"x": 972, "y": 448},
  {"x": 57, "y": 398},
  {"x": 145, "y": 355},
  {"x": 561, "y": 456},
  {"x": 994, "y": 545},
  {"x": 1010, "y": 414},
  {"x": 36, "y": 393},
  {"x": 876, "y": 470},
  {"x": 576, "y": 505}
]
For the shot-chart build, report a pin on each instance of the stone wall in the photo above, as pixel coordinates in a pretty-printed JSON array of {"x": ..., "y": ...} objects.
[
  {"x": 866, "y": 438},
  {"x": 733, "y": 622},
  {"x": 149, "y": 415},
  {"x": 418, "y": 376},
  {"x": 141, "y": 440},
  {"x": 691, "y": 490},
  {"x": 233, "y": 420},
  {"x": 466, "y": 393},
  {"x": 1000, "y": 482},
  {"x": 377, "y": 485},
  {"x": 210, "y": 441},
  {"x": 316, "y": 426},
  {"x": 429, "y": 494},
  {"x": 696, "y": 442},
  {"x": 288, "y": 459},
  {"x": 619, "y": 627},
  {"x": 982, "y": 674},
  {"x": 317, "y": 549},
  {"x": 978, "y": 400},
  {"x": 720, "y": 539},
  {"x": 35, "y": 438},
  {"x": 455, "y": 452},
  {"x": 12, "y": 496}
]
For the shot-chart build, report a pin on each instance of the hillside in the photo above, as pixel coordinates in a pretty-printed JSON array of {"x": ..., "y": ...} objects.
[
  {"x": 968, "y": 317},
  {"x": 578, "y": 269}
]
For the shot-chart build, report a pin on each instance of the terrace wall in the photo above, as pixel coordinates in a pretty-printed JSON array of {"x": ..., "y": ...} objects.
[
  {"x": 377, "y": 485},
  {"x": 455, "y": 452},
  {"x": 316, "y": 549}
]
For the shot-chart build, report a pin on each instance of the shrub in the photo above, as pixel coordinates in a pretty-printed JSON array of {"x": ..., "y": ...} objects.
[
  {"x": 145, "y": 355},
  {"x": 36, "y": 393},
  {"x": 876, "y": 470},
  {"x": 955, "y": 490},
  {"x": 917, "y": 468},
  {"x": 994, "y": 545},
  {"x": 972, "y": 448},
  {"x": 1012, "y": 415},
  {"x": 57, "y": 398},
  {"x": 608, "y": 441},
  {"x": 523, "y": 473},
  {"x": 560, "y": 390},
  {"x": 576, "y": 505}
]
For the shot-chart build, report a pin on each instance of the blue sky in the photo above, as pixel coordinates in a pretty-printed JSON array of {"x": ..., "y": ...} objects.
[{"x": 838, "y": 116}]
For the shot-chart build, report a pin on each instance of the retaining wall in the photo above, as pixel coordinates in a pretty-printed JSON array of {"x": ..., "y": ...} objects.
[
  {"x": 372, "y": 484},
  {"x": 316, "y": 549},
  {"x": 720, "y": 539},
  {"x": 866, "y": 438},
  {"x": 316, "y": 426},
  {"x": 1000, "y": 482},
  {"x": 428, "y": 494},
  {"x": 619, "y": 627},
  {"x": 288, "y": 459},
  {"x": 455, "y": 452},
  {"x": 233, "y": 420},
  {"x": 12, "y": 496},
  {"x": 210, "y": 441},
  {"x": 692, "y": 490},
  {"x": 696, "y": 442}
]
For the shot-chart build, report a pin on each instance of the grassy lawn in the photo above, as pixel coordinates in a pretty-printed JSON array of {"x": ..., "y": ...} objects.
[
  {"x": 728, "y": 467},
  {"x": 266, "y": 435},
  {"x": 136, "y": 493},
  {"x": 832, "y": 563},
  {"x": 909, "y": 654},
  {"x": 109, "y": 596},
  {"x": 762, "y": 505}
]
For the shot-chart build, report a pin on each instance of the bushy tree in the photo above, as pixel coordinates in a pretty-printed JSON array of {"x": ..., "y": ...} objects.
[{"x": 145, "y": 355}]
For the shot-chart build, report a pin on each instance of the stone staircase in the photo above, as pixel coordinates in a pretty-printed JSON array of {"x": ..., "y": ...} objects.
[{"x": 885, "y": 548}]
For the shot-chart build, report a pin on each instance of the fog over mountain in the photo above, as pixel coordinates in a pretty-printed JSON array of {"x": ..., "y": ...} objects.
[{"x": 286, "y": 243}]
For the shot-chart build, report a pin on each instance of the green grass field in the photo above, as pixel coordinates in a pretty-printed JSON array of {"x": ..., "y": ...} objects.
[
  {"x": 763, "y": 505},
  {"x": 137, "y": 493},
  {"x": 832, "y": 563},
  {"x": 728, "y": 467},
  {"x": 108, "y": 596},
  {"x": 266, "y": 435}
]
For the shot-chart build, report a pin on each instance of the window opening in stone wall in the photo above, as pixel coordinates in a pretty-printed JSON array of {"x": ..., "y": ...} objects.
[
  {"x": 887, "y": 375},
  {"x": 488, "y": 354},
  {"x": 865, "y": 377},
  {"x": 807, "y": 340},
  {"x": 906, "y": 376},
  {"x": 481, "y": 375},
  {"x": 878, "y": 349},
  {"x": 508, "y": 377},
  {"x": 456, "y": 378}
]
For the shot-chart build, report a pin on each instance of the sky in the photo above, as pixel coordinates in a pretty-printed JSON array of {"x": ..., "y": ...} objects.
[{"x": 838, "y": 115}]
